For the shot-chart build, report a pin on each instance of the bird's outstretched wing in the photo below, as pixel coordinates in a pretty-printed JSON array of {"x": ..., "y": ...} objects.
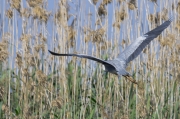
[
  {"x": 134, "y": 49},
  {"x": 81, "y": 56}
]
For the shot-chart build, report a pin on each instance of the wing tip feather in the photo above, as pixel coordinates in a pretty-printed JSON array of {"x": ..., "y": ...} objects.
[
  {"x": 50, "y": 52},
  {"x": 171, "y": 19}
]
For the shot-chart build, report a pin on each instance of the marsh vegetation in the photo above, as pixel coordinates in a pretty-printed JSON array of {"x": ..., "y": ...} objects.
[{"x": 37, "y": 85}]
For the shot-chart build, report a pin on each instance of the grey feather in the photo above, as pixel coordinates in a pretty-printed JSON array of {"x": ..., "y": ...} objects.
[
  {"x": 118, "y": 65},
  {"x": 134, "y": 49},
  {"x": 81, "y": 56}
]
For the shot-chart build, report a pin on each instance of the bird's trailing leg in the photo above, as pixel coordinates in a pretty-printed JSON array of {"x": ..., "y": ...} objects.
[{"x": 131, "y": 79}]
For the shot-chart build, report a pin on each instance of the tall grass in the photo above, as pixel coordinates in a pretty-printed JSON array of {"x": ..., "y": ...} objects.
[{"x": 35, "y": 84}]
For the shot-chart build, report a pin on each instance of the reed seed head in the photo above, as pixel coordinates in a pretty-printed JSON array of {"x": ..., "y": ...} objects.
[
  {"x": 16, "y": 4},
  {"x": 41, "y": 77},
  {"x": 132, "y": 4},
  {"x": 25, "y": 12},
  {"x": 9, "y": 13},
  {"x": 164, "y": 15},
  {"x": 105, "y": 2},
  {"x": 40, "y": 13},
  {"x": 34, "y": 3},
  {"x": 3, "y": 51},
  {"x": 18, "y": 60},
  {"x": 102, "y": 10}
]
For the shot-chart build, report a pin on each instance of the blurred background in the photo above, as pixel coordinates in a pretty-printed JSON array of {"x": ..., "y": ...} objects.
[{"x": 35, "y": 85}]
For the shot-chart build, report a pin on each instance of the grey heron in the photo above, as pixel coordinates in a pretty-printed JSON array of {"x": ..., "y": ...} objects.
[{"x": 118, "y": 65}]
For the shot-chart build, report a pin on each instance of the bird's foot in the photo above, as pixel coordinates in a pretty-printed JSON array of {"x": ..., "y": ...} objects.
[{"x": 131, "y": 79}]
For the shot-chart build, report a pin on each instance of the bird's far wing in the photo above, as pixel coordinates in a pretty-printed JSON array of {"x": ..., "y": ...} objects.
[
  {"x": 134, "y": 49},
  {"x": 81, "y": 56}
]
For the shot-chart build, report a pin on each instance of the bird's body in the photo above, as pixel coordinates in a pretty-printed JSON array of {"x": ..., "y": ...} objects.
[{"x": 118, "y": 65}]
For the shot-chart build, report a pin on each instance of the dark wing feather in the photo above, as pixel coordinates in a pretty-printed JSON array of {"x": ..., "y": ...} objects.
[
  {"x": 81, "y": 56},
  {"x": 133, "y": 50}
]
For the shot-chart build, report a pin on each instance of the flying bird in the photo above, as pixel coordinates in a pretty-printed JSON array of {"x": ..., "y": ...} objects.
[{"x": 118, "y": 65}]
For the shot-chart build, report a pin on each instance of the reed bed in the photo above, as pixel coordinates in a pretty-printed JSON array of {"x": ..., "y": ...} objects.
[{"x": 37, "y": 85}]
